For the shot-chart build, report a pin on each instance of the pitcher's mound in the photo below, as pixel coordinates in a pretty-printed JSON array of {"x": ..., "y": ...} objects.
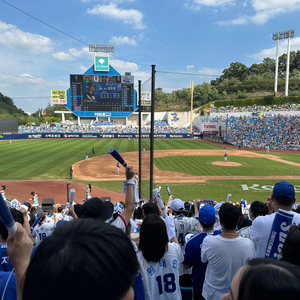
[{"x": 225, "y": 164}]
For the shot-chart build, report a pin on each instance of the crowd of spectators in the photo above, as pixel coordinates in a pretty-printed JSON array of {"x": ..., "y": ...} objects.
[
  {"x": 150, "y": 250},
  {"x": 255, "y": 108},
  {"x": 278, "y": 132},
  {"x": 131, "y": 129}
]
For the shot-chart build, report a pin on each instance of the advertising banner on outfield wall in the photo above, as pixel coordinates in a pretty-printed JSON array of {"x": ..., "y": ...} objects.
[
  {"x": 210, "y": 126},
  {"x": 71, "y": 135}
]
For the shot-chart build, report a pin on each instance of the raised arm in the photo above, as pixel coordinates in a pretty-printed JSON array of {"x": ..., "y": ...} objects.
[{"x": 129, "y": 198}]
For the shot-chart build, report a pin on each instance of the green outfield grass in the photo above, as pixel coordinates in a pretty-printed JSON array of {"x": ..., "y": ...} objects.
[
  {"x": 202, "y": 166},
  {"x": 50, "y": 159}
]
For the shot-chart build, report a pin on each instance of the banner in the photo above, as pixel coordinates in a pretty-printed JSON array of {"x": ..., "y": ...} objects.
[
  {"x": 280, "y": 228},
  {"x": 92, "y": 135},
  {"x": 58, "y": 97}
]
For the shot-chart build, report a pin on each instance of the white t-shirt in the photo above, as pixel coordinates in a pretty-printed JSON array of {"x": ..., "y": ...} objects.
[
  {"x": 119, "y": 222},
  {"x": 184, "y": 226},
  {"x": 161, "y": 279},
  {"x": 171, "y": 231},
  {"x": 42, "y": 231},
  {"x": 261, "y": 228},
  {"x": 224, "y": 257}
]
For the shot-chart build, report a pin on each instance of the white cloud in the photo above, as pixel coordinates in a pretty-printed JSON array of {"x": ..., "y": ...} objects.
[
  {"x": 264, "y": 11},
  {"x": 271, "y": 52},
  {"x": 128, "y": 16},
  {"x": 190, "y": 66},
  {"x": 192, "y": 7},
  {"x": 26, "y": 75},
  {"x": 143, "y": 76},
  {"x": 123, "y": 66},
  {"x": 122, "y": 40},
  {"x": 210, "y": 72},
  {"x": 24, "y": 42},
  {"x": 215, "y": 2},
  {"x": 73, "y": 54},
  {"x": 63, "y": 56},
  {"x": 239, "y": 21}
]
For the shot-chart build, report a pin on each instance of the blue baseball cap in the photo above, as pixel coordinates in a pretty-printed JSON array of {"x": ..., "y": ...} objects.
[
  {"x": 207, "y": 214},
  {"x": 284, "y": 191}
]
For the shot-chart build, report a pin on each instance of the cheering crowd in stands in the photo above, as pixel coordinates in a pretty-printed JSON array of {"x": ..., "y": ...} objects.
[
  {"x": 255, "y": 108},
  {"x": 148, "y": 250},
  {"x": 278, "y": 132},
  {"x": 100, "y": 129}
]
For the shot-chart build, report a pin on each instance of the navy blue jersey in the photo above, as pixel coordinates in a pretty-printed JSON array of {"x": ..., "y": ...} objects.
[{"x": 192, "y": 258}]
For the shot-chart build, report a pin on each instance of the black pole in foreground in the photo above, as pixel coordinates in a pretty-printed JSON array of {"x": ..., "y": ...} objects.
[
  {"x": 140, "y": 139},
  {"x": 68, "y": 199},
  {"x": 152, "y": 131}
]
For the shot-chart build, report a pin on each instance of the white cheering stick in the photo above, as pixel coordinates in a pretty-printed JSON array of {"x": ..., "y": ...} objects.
[
  {"x": 72, "y": 195},
  {"x": 159, "y": 201},
  {"x": 7, "y": 218},
  {"x": 114, "y": 153},
  {"x": 228, "y": 198}
]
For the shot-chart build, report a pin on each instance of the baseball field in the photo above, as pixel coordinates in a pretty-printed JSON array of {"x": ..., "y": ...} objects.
[{"x": 194, "y": 169}]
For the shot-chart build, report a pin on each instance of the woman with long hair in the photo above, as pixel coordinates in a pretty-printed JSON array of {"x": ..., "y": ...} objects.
[{"x": 159, "y": 260}]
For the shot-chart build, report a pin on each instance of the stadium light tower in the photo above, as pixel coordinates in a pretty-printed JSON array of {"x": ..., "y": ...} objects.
[
  {"x": 280, "y": 36},
  {"x": 101, "y": 48}
]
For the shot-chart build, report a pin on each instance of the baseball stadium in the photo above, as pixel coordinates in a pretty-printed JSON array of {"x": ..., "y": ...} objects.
[{"x": 117, "y": 195}]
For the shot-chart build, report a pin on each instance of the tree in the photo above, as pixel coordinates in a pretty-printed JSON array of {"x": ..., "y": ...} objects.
[{"x": 236, "y": 70}]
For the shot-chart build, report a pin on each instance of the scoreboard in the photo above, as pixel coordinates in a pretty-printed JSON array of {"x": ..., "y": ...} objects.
[{"x": 97, "y": 93}]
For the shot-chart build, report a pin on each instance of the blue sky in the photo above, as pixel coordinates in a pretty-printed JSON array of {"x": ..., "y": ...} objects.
[{"x": 200, "y": 37}]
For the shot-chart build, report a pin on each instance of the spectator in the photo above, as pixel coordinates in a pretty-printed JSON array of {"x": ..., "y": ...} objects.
[
  {"x": 183, "y": 226},
  {"x": 43, "y": 228},
  {"x": 153, "y": 209},
  {"x": 81, "y": 259},
  {"x": 291, "y": 247},
  {"x": 159, "y": 260},
  {"x": 32, "y": 215},
  {"x": 283, "y": 197},
  {"x": 257, "y": 208},
  {"x": 192, "y": 252},
  {"x": 225, "y": 254},
  {"x": 5, "y": 260},
  {"x": 265, "y": 278}
]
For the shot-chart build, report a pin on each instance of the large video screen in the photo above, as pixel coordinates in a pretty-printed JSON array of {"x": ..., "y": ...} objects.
[{"x": 102, "y": 93}]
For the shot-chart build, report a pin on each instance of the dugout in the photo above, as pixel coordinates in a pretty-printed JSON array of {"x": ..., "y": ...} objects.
[{"x": 8, "y": 125}]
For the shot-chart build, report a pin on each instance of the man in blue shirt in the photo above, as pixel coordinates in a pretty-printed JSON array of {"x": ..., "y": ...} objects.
[{"x": 192, "y": 252}]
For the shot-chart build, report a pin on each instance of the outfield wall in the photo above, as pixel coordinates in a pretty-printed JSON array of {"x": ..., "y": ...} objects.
[{"x": 72, "y": 135}]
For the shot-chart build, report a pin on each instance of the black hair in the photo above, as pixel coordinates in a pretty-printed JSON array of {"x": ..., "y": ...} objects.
[
  {"x": 28, "y": 205},
  {"x": 153, "y": 238},
  {"x": 259, "y": 208},
  {"x": 92, "y": 256},
  {"x": 150, "y": 209},
  {"x": 190, "y": 210},
  {"x": 229, "y": 215},
  {"x": 17, "y": 216},
  {"x": 3, "y": 187},
  {"x": 244, "y": 223},
  {"x": 285, "y": 202},
  {"x": 32, "y": 193},
  {"x": 90, "y": 187},
  {"x": 291, "y": 247},
  {"x": 137, "y": 214},
  {"x": 59, "y": 209},
  {"x": 207, "y": 226},
  {"x": 266, "y": 278},
  {"x": 78, "y": 210}
]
